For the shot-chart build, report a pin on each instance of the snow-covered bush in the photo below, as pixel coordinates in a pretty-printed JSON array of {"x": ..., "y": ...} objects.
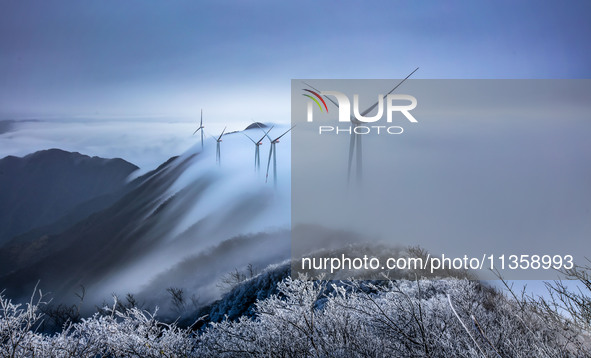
[
  {"x": 133, "y": 333},
  {"x": 426, "y": 318},
  {"x": 422, "y": 318},
  {"x": 18, "y": 323}
]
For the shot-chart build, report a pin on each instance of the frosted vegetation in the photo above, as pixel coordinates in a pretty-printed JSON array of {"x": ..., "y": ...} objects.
[{"x": 299, "y": 318}]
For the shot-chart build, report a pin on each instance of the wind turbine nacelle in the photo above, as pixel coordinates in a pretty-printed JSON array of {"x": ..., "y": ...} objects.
[{"x": 345, "y": 107}]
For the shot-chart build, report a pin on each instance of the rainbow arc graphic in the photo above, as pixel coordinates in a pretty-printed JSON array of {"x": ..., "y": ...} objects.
[{"x": 316, "y": 95}]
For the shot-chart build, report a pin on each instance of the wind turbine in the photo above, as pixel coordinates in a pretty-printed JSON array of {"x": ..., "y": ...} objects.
[
  {"x": 200, "y": 129},
  {"x": 355, "y": 142},
  {"x": 218, "y": 157},
  {"x": 273, "y": 152},
  {"x": 257, "y": 157}
]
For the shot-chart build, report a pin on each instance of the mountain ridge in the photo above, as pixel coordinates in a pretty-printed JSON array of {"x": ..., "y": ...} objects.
[{"x": 41, "y": 187}]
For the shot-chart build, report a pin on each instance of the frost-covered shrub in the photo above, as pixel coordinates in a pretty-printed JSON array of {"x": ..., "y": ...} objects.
[
  {"x": 424, "y": 318},
  {"x": 434, "y": 318},
  {"x": 133, "y": 333},
  {"x": 17, "y": 327}
]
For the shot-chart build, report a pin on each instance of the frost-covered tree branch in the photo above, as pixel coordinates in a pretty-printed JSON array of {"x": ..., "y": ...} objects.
[{"x": 402, "y": 318}]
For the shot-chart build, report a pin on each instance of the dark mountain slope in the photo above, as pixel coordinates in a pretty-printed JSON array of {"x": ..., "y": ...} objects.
[
  {"x": 161, "y": 231},
  {"x": 94, "y": 246},
  {"x": 40, "y": 188}
]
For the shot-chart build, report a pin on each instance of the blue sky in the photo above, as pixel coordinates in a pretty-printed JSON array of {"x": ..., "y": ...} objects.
[{"x": 115, "y": 59}]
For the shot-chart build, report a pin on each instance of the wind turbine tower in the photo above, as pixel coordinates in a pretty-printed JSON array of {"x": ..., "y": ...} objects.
[
  {"x": 200, "y": 129},
  {"x": 257, "y": 144},
  {"x": 218, "y": 157},
  {"x": 273, "y": 153}
]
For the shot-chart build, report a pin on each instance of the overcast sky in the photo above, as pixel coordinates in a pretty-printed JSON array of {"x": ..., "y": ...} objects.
[{"x": 118, "y": 59}]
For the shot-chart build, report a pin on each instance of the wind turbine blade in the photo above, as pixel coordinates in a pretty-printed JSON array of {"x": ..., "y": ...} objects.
[
  {"x": 212, "y": 136},
  {"x": 269, "y": 162},
  {"x": 267, "y": 133},
  {"x": 252, "y": 140},
  {"x": 284, "y": 133},
  {"x": 220, "y": 137},
  {"x": 392, "y": 90},
  {"x": 201, "y": 123},
  {"x": 196, "y": 131}
]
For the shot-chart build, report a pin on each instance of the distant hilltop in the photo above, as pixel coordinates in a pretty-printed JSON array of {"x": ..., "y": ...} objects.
[{"x": 256, "y": 125}]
